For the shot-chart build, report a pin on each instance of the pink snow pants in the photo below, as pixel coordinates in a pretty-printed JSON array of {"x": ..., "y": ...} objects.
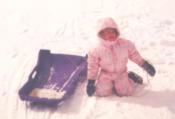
[{"x": 114, "y": 82}]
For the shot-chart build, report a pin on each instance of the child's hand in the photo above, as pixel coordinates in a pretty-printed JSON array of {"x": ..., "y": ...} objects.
[
  {"x": 149, "y": 68},
  {"x": 90, "y": 89}
]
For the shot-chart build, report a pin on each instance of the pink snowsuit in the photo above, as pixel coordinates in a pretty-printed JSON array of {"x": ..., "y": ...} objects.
[{"x": 107, "y": 63}]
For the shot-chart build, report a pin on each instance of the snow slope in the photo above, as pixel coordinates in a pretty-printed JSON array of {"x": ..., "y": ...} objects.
[{"x": 67, "y": 26}]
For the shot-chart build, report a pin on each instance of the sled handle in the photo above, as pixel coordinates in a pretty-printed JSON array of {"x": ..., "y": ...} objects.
[{"x": 33, "y": 73}]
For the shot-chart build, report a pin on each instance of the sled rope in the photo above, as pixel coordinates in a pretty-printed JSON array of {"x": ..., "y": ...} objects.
[{"x": 147, "y": 84}]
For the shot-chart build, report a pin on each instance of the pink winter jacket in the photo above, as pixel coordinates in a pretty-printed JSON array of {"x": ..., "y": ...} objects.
[{"x": 111, "y": 57}]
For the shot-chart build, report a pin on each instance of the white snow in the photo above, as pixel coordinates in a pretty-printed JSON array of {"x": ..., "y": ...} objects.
[{"x": 68, "y": 26}]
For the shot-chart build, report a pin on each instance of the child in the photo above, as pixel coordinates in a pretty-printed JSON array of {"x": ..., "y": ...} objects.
[{"x": 107, "y": 62}]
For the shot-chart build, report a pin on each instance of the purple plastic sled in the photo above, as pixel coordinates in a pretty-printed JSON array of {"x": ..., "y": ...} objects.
[{"x": 55, "y": 76}]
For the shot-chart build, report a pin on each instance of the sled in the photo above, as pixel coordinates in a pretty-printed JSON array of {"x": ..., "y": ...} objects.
[{"x": 54, "y": 78}]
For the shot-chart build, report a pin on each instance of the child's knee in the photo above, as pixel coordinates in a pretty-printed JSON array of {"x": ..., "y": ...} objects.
[
  {"x": 104, "y": 90},
  {"x": 124, "y": 90},
  {"x": 103, "y": 93},
  {"x": 123, "y": 93}
]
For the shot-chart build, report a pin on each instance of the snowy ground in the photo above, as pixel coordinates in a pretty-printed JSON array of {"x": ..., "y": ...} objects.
[{"x": 67, "y": 26}]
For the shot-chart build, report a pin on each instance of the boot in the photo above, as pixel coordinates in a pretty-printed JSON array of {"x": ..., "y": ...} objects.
[{"x": 135, "y": 77}]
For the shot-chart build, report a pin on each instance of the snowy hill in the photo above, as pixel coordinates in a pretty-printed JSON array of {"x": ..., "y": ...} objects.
[{"x": 66, "y": 26}]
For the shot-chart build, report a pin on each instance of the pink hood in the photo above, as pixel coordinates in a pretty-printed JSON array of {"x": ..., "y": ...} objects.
[{"x": 107, "y": 22}]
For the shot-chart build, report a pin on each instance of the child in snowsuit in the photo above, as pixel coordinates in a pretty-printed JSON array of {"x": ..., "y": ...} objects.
[{"x": 107, "y": 63}]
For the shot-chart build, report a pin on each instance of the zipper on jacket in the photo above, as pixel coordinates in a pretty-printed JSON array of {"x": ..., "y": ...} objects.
[{"x": 114, "y": 57}]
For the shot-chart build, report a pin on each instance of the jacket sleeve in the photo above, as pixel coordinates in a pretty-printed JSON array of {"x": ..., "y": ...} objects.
[
  {"x": 134, "y": 54},
  {"x": 93, "y": 64}
]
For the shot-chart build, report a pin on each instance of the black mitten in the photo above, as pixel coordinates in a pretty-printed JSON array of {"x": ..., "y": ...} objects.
[
  {"x": 90, "y": 89},
  {"x": 135, "y": 77},
  {"x": 149, "y": 68}
]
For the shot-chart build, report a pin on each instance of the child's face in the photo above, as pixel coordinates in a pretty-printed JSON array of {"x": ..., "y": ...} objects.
[{"x": 109, "y": 34}]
